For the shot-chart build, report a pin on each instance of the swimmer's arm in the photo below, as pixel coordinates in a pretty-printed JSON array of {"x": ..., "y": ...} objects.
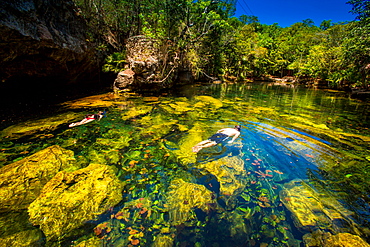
[{"x": 235, "y": 136}]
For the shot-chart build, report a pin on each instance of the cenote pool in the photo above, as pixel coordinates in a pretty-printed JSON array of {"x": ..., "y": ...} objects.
[{"x": 298, "y": 175}]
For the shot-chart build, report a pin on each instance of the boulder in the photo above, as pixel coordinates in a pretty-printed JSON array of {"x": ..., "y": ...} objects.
[
  {"x": 71, "y": 198},
  {"x": 151, "y": 63},
  {"x": 21, "y": 182},
  {"x": 124, "y": 79}
]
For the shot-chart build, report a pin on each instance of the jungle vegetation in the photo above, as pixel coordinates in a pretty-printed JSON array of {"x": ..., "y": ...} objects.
[{"x": 212, "y": 41}]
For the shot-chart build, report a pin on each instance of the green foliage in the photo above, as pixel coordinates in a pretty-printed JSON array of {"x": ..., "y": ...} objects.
[
  {"x": 115, "y": 62},
  {"x": 209, "y": 40}
]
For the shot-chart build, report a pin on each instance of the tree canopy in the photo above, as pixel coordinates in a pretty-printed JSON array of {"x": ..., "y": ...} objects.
[{"x": 212, "y": 41}]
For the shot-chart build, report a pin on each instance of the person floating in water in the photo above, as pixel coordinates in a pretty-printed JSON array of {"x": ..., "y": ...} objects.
[
  {"x": 89, "y": 118},
  {"x": 219, "y": 137}
]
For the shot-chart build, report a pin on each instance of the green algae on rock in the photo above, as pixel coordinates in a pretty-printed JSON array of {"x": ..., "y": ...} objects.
[
  {"x": 183, "y": 197},
  {"x": 326, "y": 239},
  {"x": 101, "y": 100},
  {"x": 22, "y": 181},
  {"x": 32, "y": 127},
  {"x": 23, "y": 239},
  {"x": 163, "y": 241},
  {"x": 70, "y": 199},
  {"x": 311, "y": 209},
  {"x": 229, "y": 172},
  {"x": 91, "y": 242}
]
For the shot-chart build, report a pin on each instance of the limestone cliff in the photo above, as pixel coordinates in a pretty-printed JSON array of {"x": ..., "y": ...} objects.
[{"x": 44, "y": 39}]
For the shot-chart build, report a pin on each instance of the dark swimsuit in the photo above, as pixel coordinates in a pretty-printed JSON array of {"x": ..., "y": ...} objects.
[{"x": 218, "y": 138}]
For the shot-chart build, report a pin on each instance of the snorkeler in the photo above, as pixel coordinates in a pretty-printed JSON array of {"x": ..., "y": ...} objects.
[
  {"x": 219, "y": 137},
  {"x": 89, "y": 118}
]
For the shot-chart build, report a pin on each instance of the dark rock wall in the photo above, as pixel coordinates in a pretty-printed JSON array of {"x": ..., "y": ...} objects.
[{"x": 44, "y": 39}]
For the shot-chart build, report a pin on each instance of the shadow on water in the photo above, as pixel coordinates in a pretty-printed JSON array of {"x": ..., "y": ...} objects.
[{"x": 295, "y": 176}]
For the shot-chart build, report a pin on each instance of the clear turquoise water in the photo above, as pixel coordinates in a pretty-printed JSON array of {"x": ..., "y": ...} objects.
[{"x": 297, "y": 145}]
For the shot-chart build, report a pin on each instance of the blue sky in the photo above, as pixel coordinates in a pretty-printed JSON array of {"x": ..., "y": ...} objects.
[{"x": 288, "y": 12}]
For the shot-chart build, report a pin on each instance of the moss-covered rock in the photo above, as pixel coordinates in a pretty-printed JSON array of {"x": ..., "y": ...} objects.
[
  {"x": 183, "y": 197},
  {"x": 135, "y": 111},
  {"x": 326, "y": 239},
  {"x": 32, "y": 127},
  {"x": 100, "y": 100},
  {"x": 28, "y": 238},
  {"x": 345, "y": 240},
  {"x": 204, "y": 100},
  {"x": 184, "y": 152},
  {"x": 14, "y": 226},
  {"x": 70, "y": 199},
  {"x": 312, "y": 210},
  {"x": 228, "y": 170},
  {"x": 91, "y": 242},
  {"x": 22, "y": 181}
]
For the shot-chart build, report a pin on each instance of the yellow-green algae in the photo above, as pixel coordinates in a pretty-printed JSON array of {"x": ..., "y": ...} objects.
[
  {"x": 26, "y": 238},
  {"x": 311, "y": 209},
  {"x": 32, "y": 127},
  {"x": 207, "y": 101},
  {"x": 101, "y": 100},
  {"x": 156, "y": 125},
  {"x": 181, "y": 107},
  {"x": 184, "y": 152},
  {"x": 106, "y": 149},
  {"x": 228, "y": 170},
  {"x": 135, "y": 111},
  {"x": 91, "y": 242},
  {"x": 183, "y": 197},
  {"x": 326, "y": 239},
  {"x": 22, "y": 181},
  {"x": 163, "y": 241},
  {"x": 71, "y": 198}
]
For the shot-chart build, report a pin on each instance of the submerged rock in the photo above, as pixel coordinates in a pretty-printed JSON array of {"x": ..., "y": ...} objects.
[
  {"x": 326, "y": 239},
  {"x": 22, "y": 181},
  {"x": 183, "y": 197},
  {"x": 312, "y": 210},
  {"x": 229, "y": 171},
  {"x": 32, "y": 127},
  {"x": 15, "y": 228},
  {"x": 23, "y": 239},
  {"x": 72, "y": 198},
  {"x": 91, "y": 242}
]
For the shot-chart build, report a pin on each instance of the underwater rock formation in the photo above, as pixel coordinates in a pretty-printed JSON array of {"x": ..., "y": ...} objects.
[
  {"x": 33, "y": 127},
  {"x": 326, "y": 239},
  {"x": 229, "y": 172},
  {"x": 91, "y": 242},
  {"x": 70, "y": 199},
  {"x": 312, "y": 210},
  {"x": 183, "y": 197},
  {"x": 23, "y": 239},
  {"x": 21, "y": 182}
]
